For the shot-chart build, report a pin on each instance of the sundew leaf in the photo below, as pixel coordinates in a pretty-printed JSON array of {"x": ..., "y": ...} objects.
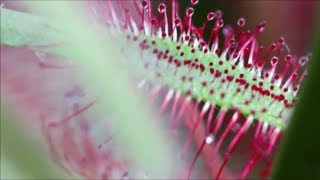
[
  {"x": 94, "y": 68},
  {"x": 19, "y": 29}
]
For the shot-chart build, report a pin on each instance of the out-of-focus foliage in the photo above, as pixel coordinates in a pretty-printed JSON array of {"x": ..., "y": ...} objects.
[
  {"x": 21, "y": 157},
  {"x": 132, "y": 116},
  {"x": 18, "y": 29}
]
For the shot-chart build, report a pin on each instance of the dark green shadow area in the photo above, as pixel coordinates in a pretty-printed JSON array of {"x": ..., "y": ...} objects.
[{"x": 299, "y": 156}]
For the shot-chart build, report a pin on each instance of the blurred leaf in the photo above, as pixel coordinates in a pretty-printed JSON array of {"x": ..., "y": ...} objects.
[
  {"x": 21, "y": 157},
  {"x": 38, "y": 33},
  {"x": 98, "y": 62},
  {"x": 19, "y": 29}
]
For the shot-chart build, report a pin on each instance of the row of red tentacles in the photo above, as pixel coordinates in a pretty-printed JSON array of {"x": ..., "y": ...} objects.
[{"x": 264, "y": 138}]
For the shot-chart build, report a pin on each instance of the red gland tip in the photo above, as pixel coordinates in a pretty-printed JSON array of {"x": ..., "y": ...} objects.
[
  {"x": 189, "y": 11},
  {"x": 260, "y": 27},
  {"x": 144, "y": 4},
  {"x": 241, "y": 22},
  {"x": 273, "y": 47},
  {"x": 218, "y": 14},
  {"x": 194, "y": 2},
  {"x": 177, "y": 22},
  {"x": 288, "y": 58},
  {"x": 274, "y": 60},
  {"x": 220, "y": 23},
  {"x": 161, "y": 8},
  {"x": 210, "y": 16},
  {"x": 281, "y": 41}
]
